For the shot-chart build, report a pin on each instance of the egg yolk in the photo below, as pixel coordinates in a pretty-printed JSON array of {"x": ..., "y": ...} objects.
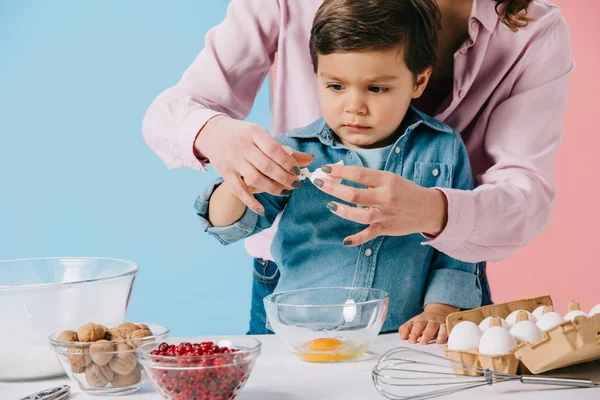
[{"x": 324, "y": 344}]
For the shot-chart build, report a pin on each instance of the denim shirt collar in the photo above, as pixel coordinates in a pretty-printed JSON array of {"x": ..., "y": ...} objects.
[{"x": 320, "y": 130}]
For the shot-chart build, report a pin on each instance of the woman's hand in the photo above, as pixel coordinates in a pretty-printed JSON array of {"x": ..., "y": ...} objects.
[
  {"x": 391, "y": 205},
  {"x": 244, "y": 154},
  {"x": 429, "y": 325}
]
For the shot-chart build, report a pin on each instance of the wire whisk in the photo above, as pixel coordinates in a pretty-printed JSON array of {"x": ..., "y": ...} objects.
[{"x": 405, "y": 373}]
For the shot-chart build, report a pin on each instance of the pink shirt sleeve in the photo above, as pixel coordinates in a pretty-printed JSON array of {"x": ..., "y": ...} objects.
[
  {"x": 515, "y": 197},
  {"x": 223, "y": 79}
]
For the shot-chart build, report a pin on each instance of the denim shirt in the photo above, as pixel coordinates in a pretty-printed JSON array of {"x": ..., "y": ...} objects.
[{"x": 308, "y": 244}]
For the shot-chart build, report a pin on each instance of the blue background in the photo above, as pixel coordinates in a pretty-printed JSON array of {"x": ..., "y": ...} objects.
[{"x": 77, "y": 178}]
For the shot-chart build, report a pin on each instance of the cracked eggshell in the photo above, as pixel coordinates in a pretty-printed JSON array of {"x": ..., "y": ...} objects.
[{"x": 349, "y": 310}]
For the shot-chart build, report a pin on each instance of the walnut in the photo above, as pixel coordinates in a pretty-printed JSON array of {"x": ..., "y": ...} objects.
[
  {"x": 125, "y": 359},
  {"x": 115, "y": 334},
  {"x": 98, "y": 376},
  {"x": 101, "y": 352},
  {"x": 78, "y": 369},
  {"x": 79, "y": 358},
  {"x": 138, "y": 336},
  {"x": 143, "y": 327},
  {"x": 128, "y": 327},
  {"x": 91, "y": 332},
  {"x": 126, "y": 380},
  {"x": 67, "y": 336}
]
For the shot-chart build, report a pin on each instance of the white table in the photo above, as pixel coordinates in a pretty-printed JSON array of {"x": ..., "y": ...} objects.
[{"x": 278, "y": 375}]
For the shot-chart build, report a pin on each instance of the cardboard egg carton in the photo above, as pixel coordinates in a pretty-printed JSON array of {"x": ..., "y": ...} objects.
[{"x": 570, "y": 343}]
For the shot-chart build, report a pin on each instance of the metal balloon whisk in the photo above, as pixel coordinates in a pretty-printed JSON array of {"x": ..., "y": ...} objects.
[{"x": 405, "y": 373}]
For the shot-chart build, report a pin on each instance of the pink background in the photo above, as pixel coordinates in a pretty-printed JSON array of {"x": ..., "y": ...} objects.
[{"x": 562, "y": 261}]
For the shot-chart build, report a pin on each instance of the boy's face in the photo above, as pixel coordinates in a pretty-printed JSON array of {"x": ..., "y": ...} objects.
[{"x": 364, "y": 95}]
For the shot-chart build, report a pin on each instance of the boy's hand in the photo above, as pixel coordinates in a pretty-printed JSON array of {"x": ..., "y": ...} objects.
[{"x": 429, "y": 325}]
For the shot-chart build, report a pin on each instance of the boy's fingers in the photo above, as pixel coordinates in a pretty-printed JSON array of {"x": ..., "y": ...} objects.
[
  {"x": 416, "y": 331},
  {"x": 405, "y": 330},
  {"x": 442, "y": 336},
  {"x": 429, "y": 332}
]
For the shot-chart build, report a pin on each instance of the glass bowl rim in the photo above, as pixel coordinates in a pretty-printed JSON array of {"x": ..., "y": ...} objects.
[
  {"x": 268, "y": 300},
  {"x": 131, "y": 271},
  {"x": 144, "y": 354}
]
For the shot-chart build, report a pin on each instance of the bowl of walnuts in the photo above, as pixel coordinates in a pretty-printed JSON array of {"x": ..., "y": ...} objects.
[{"x": 102, "y": 357}]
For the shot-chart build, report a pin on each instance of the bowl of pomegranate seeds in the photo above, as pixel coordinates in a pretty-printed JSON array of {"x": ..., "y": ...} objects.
[{"x": 209, "y": 370}]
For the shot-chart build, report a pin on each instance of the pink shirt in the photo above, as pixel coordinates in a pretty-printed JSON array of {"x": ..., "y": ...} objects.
[{"x": 509, "y": 96}]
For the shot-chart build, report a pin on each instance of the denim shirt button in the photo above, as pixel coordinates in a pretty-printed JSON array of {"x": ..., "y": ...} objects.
[
  {"x": 397, "y": 150},
  {"x": 368, "y": 252},
  {"x": 350, "y": 155},
  {"x": 435, "y": 172}
]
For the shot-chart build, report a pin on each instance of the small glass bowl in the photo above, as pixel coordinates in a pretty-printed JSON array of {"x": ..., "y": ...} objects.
[
  {"x": 106, "y": 368},
  {"x": 208, "y": 377},
  {"x": 331, "y": 324}
]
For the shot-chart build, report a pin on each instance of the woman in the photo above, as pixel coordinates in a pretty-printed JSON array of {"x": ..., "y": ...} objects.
[{"x": 501, "y": 80}]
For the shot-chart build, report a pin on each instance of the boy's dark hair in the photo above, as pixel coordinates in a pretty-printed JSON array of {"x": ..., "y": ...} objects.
[{"x": 372, "y": 25}]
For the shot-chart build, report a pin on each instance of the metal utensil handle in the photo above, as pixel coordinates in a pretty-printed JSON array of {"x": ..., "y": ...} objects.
[
  {"x": 57, "y": 393},
  {"x": 543, "y": 380}
]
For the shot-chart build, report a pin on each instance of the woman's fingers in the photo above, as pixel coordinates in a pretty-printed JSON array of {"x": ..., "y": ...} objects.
[
  {"x": 361, "y": 215},
  {"x": 303, "y": 159},
  {"x": 253, "y": 177},
  {"x": 272, "y": 149},
  {"x": 271, "y": 177},
  {"x": 369, "y": 233},
  {"x": 363, "y": 197},
  {"x": 242, "y": 191},
  {"x": 365, "y": 176}
]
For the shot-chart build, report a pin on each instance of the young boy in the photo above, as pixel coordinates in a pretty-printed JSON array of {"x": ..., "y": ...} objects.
[{"x": 371, "y": 58}]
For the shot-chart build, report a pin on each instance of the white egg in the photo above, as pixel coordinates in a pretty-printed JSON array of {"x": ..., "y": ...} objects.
[
  {"x": 575, "y": 313},
  {"x": 349, "y": 310},
  {"x": 526, "y": 331},
  {"x": 511, "y": 320},
  {"x": 496, "y": 341},
  {"x": 485, "y": 324},
  {"x": 595, "y": 310},
  {"x": 550, "y": 320},
  {"x": 464, "y": 336}
]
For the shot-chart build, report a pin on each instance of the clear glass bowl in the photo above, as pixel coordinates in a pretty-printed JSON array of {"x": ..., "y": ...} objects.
[
  {"x": 106, "y": 368},
  {"x": 209, "y": 377},
  {"x": 44, "y": 295},
  {"x": 333, "y": 324}
]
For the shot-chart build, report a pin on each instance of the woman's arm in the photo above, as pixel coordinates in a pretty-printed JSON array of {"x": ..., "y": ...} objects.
[
  {"x": 515, "y": 197},
  {"x": 200, "y": 118},
  {"x": 223, "y": 79}
]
